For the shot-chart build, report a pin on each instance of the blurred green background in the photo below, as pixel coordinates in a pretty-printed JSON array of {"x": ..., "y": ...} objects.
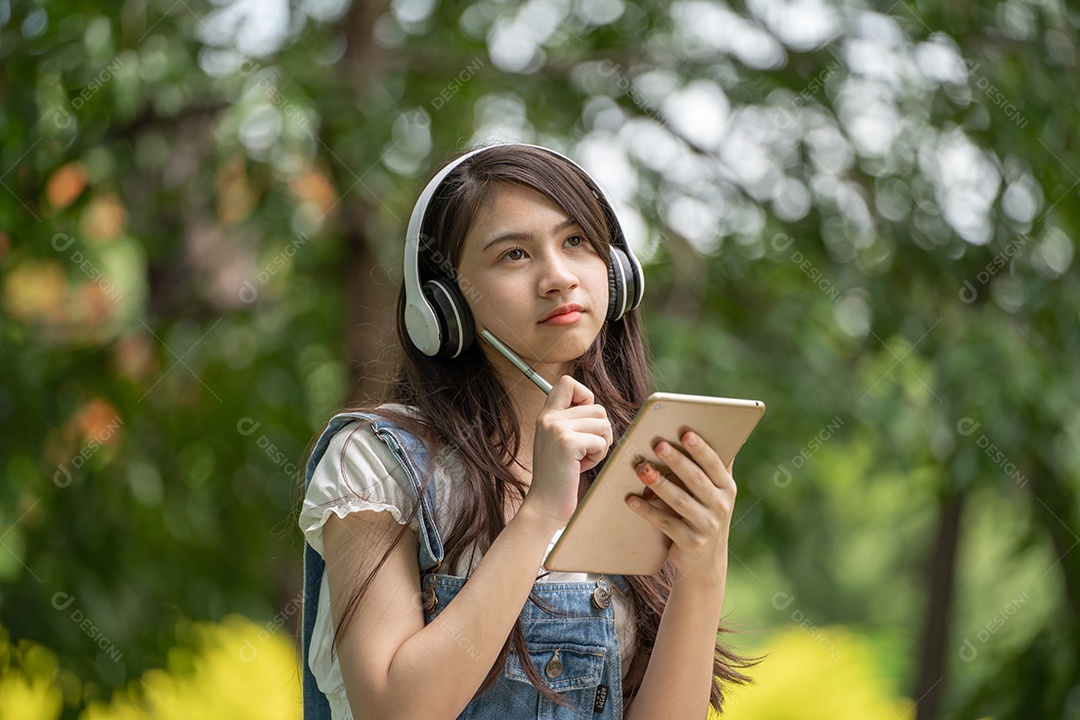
[{"x": 863, "y": 214}]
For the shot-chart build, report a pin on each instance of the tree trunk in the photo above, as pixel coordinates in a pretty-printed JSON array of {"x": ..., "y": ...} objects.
[
  {"x": 930, "y": 685},
  {"x": 369, "y": 312},
  {"x": 370, "y": 299},
  {"x": 1054, "y": 503}
]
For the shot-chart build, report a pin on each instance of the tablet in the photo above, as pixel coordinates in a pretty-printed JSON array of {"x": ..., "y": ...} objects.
[{"x": 604, "y": 535}]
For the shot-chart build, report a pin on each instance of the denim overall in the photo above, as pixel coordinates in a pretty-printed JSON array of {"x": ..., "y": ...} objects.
[{"x": 576, "y": 650}]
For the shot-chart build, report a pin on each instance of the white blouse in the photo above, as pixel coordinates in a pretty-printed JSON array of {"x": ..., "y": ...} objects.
[{"x": 369, "y": 477}]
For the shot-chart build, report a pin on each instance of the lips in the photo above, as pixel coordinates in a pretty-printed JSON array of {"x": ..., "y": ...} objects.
[{"x": 569, "y": 310}]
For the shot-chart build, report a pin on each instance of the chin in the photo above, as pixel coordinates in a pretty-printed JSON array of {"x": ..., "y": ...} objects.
[{"x": 569, "y": 348}]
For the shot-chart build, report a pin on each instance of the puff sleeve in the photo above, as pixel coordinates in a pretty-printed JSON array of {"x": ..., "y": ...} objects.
[{"x": 357, "y": 472}]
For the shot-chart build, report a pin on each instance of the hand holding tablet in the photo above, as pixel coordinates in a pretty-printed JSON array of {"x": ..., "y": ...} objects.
[{"x": 606, "y": 536}]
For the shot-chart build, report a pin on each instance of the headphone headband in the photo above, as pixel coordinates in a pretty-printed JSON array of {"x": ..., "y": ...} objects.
[{"x": 421, "y": 319}]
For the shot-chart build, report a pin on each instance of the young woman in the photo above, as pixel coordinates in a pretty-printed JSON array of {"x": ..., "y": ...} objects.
[{"x": 428, "y": 517}]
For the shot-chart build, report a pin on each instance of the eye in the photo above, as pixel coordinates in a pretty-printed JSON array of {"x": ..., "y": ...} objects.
[
  {"x": 577, "y": 240},
  {"x": 514, "y": 250}
]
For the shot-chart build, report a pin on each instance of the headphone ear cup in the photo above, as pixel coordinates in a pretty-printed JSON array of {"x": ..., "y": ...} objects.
[
  {"x": 455, "y": 319},
  {"x": 622, "y": 290},
  {"x": 637, "y": 278}
]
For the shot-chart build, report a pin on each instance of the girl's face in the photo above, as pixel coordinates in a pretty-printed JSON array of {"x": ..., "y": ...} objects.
[{"x": 522, "y": 259}]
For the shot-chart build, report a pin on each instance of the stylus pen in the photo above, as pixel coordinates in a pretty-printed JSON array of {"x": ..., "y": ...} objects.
[{"x": 517, "y": 362}]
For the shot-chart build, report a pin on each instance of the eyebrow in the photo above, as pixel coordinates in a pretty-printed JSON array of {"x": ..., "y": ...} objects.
[{"x": 517, "y": 235}]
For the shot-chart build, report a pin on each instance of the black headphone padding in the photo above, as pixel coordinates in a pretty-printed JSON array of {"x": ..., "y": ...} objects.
[
  {"x": 453, "y": 313},
  {"x": 620, "y": 284}
]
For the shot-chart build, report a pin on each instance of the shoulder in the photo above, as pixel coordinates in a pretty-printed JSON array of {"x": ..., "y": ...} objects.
[
  {"x": 341, "y": 429},
  {"x": 353, "y": 449},
  {"x": 355, "y": 471},
  {"x": 354, "y": 456}
]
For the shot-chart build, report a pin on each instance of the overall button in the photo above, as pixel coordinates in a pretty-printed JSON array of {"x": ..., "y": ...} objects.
[
  {"x": 601, "y": 596},
  {"x": 431, "y": 602},
  {"x": 554, "y": 666}
]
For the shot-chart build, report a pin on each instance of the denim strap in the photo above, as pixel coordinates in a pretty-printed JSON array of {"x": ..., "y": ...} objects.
[{"x": 412, "y": 455}]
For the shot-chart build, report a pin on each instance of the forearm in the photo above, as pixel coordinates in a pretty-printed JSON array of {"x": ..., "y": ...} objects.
[
  {"x": 678, "y": 681},
  {"x": 437, "y": 671}
]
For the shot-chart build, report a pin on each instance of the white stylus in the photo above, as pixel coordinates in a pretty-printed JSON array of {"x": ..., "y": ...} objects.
[{"x": 516, "y": 361}]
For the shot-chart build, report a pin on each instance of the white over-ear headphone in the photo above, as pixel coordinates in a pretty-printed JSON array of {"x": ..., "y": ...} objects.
[{"x": 438, "y": 319}]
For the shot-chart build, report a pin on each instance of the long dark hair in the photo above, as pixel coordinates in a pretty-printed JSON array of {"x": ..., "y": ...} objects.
[{"x": 461, "y": 403}]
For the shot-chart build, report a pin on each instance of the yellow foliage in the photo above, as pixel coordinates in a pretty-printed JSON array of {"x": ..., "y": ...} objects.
[
  {"x": 28, "y": 689},
  {"x": 235, "y": 670},
  {"x": 28, "y": 699},
  {"x": 829, "y": 674},
  {"x": 239, "y": 670}
]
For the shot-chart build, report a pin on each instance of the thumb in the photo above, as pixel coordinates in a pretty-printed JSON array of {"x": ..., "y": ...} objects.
[
  {"x": 573, "y": 393},
  {"x": 562, "y": 394}
]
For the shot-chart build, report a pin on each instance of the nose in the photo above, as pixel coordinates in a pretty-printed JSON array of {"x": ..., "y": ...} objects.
[{"x": 557, "y": 275}]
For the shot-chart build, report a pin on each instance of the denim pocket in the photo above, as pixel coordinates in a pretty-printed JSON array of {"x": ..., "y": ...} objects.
[{"x": 578, "y": 666}]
